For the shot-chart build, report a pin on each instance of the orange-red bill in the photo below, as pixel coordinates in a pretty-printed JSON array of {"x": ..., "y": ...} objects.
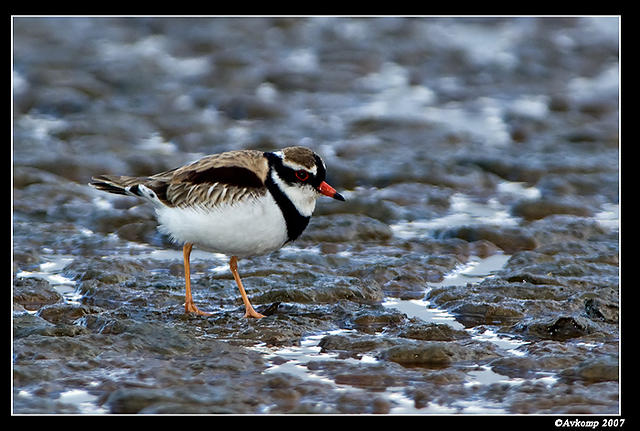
[{"x": 327, "y": 190}]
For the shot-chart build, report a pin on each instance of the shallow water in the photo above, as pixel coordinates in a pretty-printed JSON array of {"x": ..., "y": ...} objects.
[
  {"x": 49, "y": 271},
  {"x": 298, "y": 357},
  {"x": 473, "y": 269}
]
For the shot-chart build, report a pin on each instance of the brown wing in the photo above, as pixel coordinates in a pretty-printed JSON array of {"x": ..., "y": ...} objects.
[
  {"x": 199, "y": 170},
  {"x": 226, "y": 177}
]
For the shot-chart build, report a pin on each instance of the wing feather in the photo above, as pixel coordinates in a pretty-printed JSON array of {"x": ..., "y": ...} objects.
[{"x": 208, "y": 182}]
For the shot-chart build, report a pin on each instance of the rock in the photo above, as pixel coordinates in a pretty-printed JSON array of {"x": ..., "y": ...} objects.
[
  {"x": 26, "y": 324},
  {"x": 535, "y": 209},
  {"x": 510, "y": 240},
  {"x": 594, "y": 370},
  {"x": 347, "y": 227},
  {"x": 316, "y": 288},
  {"x": 559, "y": 228},
  {"x": 432, "y": 332},
  {"x": 373, "y": 321},
  {"x": 34, "y": 293},
  {"x": 248, "y": 107},
  {"x": 474, "y": 313},
  {"x": 515, "y": 367},
  {"x": 437, "y": 354},
  {"x": 139, "y": 231},
  {"x": 360, "y": 344},
  {"x": 405, "y": 286},
  {"x": 133, "y": 400},
  {"x": 556, "y": 328},
  {"x": 65, "y": 313},
  {"x": 600, "y": 310},
  {"x": 353, "y": 402}
]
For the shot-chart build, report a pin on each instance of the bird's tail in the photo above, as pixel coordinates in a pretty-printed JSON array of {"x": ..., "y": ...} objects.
[
  {"x": 152, "y": 188},
  {"x": 121, "y": 185}
]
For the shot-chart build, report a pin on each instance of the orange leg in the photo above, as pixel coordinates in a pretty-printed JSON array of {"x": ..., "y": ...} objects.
[
  {"x": 249, "y": 311},
  {"x": 189, "y": 305}
]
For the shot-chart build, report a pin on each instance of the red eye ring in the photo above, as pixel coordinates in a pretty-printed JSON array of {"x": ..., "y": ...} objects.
[{"x": 302, "y": 175}]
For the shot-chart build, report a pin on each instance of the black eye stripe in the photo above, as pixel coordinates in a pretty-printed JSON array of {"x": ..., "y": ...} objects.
[{"x": 288, "y": 174}]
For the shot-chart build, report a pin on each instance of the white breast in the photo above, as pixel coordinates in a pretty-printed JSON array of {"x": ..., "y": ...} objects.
[{"x": 249, "y": 227}]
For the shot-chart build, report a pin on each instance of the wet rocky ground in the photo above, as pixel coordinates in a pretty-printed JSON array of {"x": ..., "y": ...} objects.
[{"x": 473, "y": 269}]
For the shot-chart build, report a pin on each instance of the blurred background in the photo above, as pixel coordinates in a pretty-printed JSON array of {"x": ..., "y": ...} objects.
[
  {"x": 387, "y": 99},
  {"x": 449, "y": 137}
]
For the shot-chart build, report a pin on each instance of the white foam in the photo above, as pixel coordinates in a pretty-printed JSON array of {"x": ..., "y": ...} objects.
[
  {"x": 609, "y": 216},
  {"x": 50, "y": 272},
  {"x": 83, "y": 400},
  {"x": 466, "y": 211}
]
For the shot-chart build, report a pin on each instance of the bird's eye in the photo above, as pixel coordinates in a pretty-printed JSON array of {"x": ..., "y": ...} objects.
[{"x": 302, "y": 175}]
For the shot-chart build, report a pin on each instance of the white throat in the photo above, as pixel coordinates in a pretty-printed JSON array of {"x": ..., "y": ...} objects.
[{"x": 303, "y": 198}]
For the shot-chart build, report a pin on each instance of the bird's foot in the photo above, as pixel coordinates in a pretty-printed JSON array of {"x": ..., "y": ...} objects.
[
  {"x": 190, "y": 307},
  {"x": 250, "y": 312}
]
